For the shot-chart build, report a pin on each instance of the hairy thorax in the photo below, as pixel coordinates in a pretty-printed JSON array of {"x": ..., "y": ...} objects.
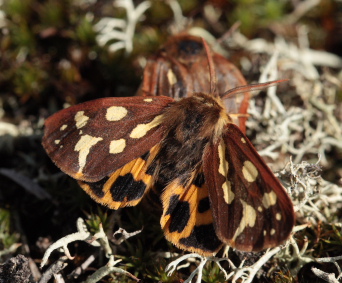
[{"x": 190, "y": 124}]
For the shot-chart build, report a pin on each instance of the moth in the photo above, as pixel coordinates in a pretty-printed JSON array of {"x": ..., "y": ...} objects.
[
  {"x": 180, "y": 68},
  {"x": 214, "y": 187}
]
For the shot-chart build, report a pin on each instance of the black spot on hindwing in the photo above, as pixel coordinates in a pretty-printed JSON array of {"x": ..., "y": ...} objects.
[
  {"x": 199, "y": 180},
  {"x": 126, "y": 188},
  {"x": 202, "y": 237},
  {"x": 204, "y": 205},
  {"x": 179, "y": 217},
  {"x": 96, "y": 187},
  {"x": 172, "y": 204}
]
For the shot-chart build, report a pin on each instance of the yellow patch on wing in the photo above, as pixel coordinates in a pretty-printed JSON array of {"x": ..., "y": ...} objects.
[
  {"x": 83, "y": 146},
  {"x": 269, "y": 199},
  {"x": 171, "y": 77},
  {"x": 249, "y": 171},
  {"x": 228, "y": 194},
  {"x": 224, "y": 166},
  {"x": 116, "y": 113},
  {"x": 141, "y": 129},
  {"x": 117, "y": 146},
  {"x": 248, "y": 219},
  {"x": 80, "y": 119}
]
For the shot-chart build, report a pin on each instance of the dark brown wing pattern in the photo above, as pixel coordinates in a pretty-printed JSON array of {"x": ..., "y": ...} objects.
[{"x": 251, "y": 209}]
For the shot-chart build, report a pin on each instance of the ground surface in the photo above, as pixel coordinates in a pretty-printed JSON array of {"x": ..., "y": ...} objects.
[{"x": 53, "y": 54}]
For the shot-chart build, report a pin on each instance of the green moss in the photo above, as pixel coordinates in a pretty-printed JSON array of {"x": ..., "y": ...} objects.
[
  {"x": 254, "y": 14},
  {"x": 29, "y": 80},
  {"x": 85, "y": 33},
  {"x": 212, "y": 273},
  {"x": 53, "y": 14},
  {"x": 96, "y": 219},
  {"x": 23, "y": 39},
  {"x": 18, "y": 11},
  {"x": 7, "y": 238}
]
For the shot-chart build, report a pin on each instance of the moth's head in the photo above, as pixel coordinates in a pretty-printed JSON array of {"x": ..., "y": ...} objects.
[
  {"x": 209, "y": 100},
  {"x": 215, "y": 112}
]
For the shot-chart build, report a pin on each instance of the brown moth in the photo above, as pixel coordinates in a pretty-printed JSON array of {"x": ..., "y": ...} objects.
[
  {"x": 180, "y": 68},
  {"x": 214, "y": 186}
]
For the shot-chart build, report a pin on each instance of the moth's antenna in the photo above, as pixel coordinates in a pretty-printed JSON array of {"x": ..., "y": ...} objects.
[
  {"x": 211, "y": 68},
  {"x": 251, "y": 87}
]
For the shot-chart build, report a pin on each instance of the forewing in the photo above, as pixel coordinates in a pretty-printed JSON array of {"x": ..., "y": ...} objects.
[
  {"x": 187, "y": 217},
  {"x": 91, "y": 140},
  {"x": 127, "y": 185},
  {"x": 251, "y": 209}
]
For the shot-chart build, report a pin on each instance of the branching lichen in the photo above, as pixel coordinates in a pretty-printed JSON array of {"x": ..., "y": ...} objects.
[
  {"x": 54, "y": 269},
  {"x": 301, "y": 132},
  {"x": 121, "y": 31},
  {"x": 97, "y": 240},
  {"x": 199, "y": 270},
  {"x": 82, "y": 235}
]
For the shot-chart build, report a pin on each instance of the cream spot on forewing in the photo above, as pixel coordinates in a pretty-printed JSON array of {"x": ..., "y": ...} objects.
[
  {"x": 249, "y": 171},
  {"x": 57, "y": 141},
  {"x": 63, "y": 127},
  {"x": 148, "y": 99},
  {"x": 243, "y": 140},
  {"x": 259, "y": 208},
  {"x": 171, "y": 77},
  {"x": 272, "y": 232},
  {"x": 83, "y": 147},
  {"x": 116, "y": 113},
  {"x": 265, "y": 232},
  {"x": 117, "y": 146},
  {"x": 228, "y": 194},
  {"x": 269, "y": 199},
  {"x": 248, "y": 218},
  {"x": 278, "y": 216},
  {"x": 81, "y": 119},
  {"x": 141, "y": 130},
  {"x": 224, "y": 166}
]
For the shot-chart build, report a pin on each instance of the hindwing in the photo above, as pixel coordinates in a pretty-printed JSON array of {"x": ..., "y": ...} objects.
[
  {"x": 127, "y": 185},
  {"x": 187, "y": 218}
]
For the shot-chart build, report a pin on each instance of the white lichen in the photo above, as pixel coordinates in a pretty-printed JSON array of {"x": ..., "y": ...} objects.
[
  {"x": 99, "y": 239},
  {"x": 116, "y": 33}
]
